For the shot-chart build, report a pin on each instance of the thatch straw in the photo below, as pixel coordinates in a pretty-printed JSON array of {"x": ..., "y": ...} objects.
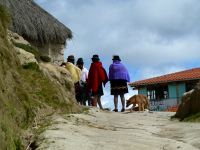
[{"x": 35, "y": 24}]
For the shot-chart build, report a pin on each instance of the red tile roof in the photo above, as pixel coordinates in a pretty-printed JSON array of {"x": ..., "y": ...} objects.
[{"x": 191, "y": 74}]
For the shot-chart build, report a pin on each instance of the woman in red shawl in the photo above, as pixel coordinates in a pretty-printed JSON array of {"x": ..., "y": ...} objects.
[{"x": 97, "y": 76}]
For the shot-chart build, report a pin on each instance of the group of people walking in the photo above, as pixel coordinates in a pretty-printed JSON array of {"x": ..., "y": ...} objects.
[{"x": 89, "y": 84}]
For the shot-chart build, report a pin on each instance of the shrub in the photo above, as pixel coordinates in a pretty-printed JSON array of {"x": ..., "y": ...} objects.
[
  {"x": 45, "y": 58},
  {"x": 32, "y": 65}
]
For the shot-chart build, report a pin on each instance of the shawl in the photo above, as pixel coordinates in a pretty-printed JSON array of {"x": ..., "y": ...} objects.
[
  {"x": 118, "y": 71},
  {"x": 97, "y": 76},
  {"x": 74, "y": 71}
]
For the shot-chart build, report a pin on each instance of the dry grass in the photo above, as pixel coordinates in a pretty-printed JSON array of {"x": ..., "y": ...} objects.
[{"x": 23, "y": 94}]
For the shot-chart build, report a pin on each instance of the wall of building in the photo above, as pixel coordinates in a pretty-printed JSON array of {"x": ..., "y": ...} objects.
[
  {"x": 162, "y": 105},
  {"x": 176, "y": 90},
  {"x": 181, "y": 89},
  {"x": 172, "y": 91},
  {"x": 142, "y": 91},
  {"x": 54, "y": 51}
]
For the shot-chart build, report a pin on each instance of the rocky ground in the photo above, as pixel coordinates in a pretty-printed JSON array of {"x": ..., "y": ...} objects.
[{"x": 104, "y": 130}]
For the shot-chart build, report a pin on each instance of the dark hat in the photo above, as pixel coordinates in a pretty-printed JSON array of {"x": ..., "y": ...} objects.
[
  {"x": 116, "y": 57},
  {"x": 80, "y": 61},
  {"x": 70, "y": 57},
  {"x": 63, "y": 64},
  {"x": 95, "y": 57}
]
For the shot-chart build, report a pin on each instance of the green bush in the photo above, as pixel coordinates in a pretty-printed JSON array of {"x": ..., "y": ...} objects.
[
  {"x": 45, "y": 58},
  {"x": 32, "y": 65},
  {"x": 18, "y": 144}
]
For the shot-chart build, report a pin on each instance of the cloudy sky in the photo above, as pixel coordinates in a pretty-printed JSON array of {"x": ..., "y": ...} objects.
[{"x": 152, "y": 37}]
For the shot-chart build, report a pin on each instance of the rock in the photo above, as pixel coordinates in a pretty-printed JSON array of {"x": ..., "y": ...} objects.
[
  {"x": 189, "y": 103},
  {"x": 189, "y": 92},
  {"x": 60, "y": 76},
  {"x": 16, "y": 38},
  {"x": 25, "y": 57},
  {"x": 54, "y": 51}
]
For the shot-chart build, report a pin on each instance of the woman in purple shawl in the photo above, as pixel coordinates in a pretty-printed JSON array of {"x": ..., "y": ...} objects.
[{"x": 118, "y": 76}]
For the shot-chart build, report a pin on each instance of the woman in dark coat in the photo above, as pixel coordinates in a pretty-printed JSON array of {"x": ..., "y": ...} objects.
[{"x": 118, "y": 76}]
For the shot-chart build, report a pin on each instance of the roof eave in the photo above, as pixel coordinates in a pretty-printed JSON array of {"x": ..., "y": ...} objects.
[{"x": 143, "y": 84}]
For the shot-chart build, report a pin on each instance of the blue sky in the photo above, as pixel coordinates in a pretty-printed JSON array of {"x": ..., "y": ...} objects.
[{"x": 152, "y": 37}]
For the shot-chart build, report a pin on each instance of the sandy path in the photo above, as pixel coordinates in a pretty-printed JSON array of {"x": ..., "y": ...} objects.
[{"x": 101, "y": 130}]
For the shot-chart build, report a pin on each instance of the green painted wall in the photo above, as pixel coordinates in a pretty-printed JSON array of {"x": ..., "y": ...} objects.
[
  {"x": 181, "y": 89},
  {"x": 172, "y": 91},
  {"x": 142, "y": 91},
  {"x": 176, "y": 90}
]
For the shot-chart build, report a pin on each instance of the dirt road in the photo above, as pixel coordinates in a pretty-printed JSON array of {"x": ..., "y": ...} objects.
[{"x": 103, "y": 130}]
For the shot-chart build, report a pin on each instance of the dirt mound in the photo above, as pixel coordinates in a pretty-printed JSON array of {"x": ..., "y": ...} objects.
[{"x": 190, "y": 104}]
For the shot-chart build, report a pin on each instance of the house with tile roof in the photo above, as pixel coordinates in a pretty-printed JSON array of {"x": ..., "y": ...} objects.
[{"x": 166, "y": 91}]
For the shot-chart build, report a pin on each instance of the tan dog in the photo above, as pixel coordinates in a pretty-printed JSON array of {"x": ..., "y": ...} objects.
[{"x": 141, "y": 100}]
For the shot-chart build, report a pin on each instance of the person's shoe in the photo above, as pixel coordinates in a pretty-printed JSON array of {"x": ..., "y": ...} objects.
[
  {"x": 115, "y": 110},
  {"x": 122, "y": 110}
]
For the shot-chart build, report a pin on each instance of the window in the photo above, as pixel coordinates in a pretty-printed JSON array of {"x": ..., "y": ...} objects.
[
  {"x": 166, "y": 96},
  {"x": 151, "y": 94},
  {"x": 158, "y": 92}
]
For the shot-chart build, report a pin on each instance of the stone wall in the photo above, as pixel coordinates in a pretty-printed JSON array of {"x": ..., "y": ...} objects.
[{"x": 54, "y": 51}]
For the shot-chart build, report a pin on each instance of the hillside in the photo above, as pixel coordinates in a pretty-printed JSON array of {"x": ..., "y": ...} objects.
[{"x": 28, "y": 94}]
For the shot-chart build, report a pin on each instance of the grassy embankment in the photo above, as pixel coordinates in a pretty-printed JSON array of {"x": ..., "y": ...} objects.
[{"x": 24, "y": 93}]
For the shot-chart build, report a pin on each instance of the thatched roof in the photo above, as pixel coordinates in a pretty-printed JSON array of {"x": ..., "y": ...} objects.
[{"x": 35, "y": 24}]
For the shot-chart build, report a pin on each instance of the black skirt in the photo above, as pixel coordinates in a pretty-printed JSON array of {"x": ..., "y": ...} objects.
[
  {"x": 99, "y": 91},
  {"x": 118, "y": 87}
]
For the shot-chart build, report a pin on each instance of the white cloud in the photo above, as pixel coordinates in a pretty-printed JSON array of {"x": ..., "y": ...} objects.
[
  {"x": 151, "y": 72},
  {"x": 152, "y": 32},
  {"x": 152, "y": 37}
]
